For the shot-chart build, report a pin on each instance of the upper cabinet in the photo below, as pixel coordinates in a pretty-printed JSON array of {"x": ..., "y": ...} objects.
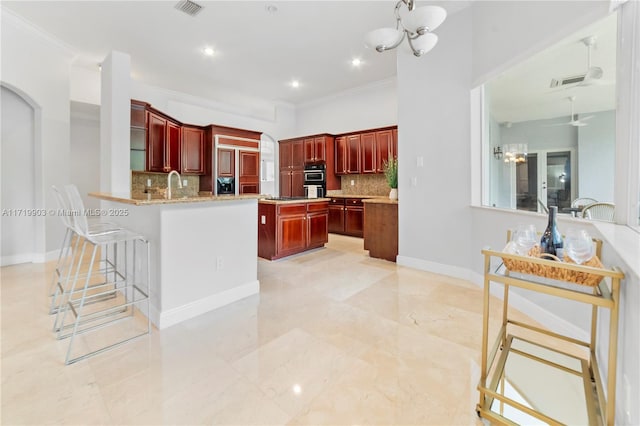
[
  {"x": 365, "y": 152},
  {"x": 163, "y": 146},
  {"x": 192, "y": 150},
  {"x": 156, "y": 142},
  {"x": 314, "y": 149},
  {"x": 386, "y": 147}
]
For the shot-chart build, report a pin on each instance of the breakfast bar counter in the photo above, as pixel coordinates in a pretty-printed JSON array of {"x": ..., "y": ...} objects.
[{"x": 203, "y": 250}]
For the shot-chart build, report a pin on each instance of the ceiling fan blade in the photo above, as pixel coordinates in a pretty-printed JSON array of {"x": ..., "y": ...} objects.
[
  {"x": 566, "y": 123},
  {"x": 578, "y": 123},
  {"x": 588, "y": 117}
]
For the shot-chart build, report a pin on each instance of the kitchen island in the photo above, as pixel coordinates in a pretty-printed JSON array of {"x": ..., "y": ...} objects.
[
  {"x": 288, "y": 226},
  {"x": 203, "y": 249}
]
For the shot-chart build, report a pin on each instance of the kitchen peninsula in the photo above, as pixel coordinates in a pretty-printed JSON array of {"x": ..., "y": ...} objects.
[{"x": 203, "y": 250}]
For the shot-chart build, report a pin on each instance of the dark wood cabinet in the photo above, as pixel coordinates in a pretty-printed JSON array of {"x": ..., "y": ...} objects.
[
  {"x": 346, "y": 216},
  {"x": 291, "y": 155},
  {"x": 385, "y": 148},
  {"x": 192, "y": 150},
  {"x": 341, "y": 155},
  {"x": 285, "y": 229},
  {"x": 365, "y": 152},
  {"x": 249, "y": 173},
  {"x": 163, "y": 144},
  {"x": 354, "y": 217},
  {"x": 381, "y": 229},
  {"x": 173, "y": 147},
  {"x": 353, "y": 154},
  {"x": 314, "y": 149},
  {"x": 156, "y": 142},
  {"x": 336, "y": 216},
  {"x": 226, "y": 162},
  {"x": 138, "y": 114},
  {"x": 368, "y": 153}
]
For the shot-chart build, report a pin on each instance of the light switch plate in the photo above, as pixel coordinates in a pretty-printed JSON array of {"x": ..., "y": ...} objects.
[
  {"x": 263, "y": 219},
  {"x": 185, "y": 182},
  {"x": 420, "y": 161}
]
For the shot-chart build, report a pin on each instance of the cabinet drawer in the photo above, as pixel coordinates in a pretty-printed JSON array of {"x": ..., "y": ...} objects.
[
  {"x": 353, "y": 202},
  {"x": 337, "y": 202},
  {"x": 292, "y": 209},
  {"x": 318, "y": 207}
]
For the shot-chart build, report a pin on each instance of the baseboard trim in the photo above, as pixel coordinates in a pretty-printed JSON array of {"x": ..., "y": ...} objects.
[
  {"x": 16, "y": 259},
  {"x": 174, "y": 316},
  {"x": 521, "y": 303}
]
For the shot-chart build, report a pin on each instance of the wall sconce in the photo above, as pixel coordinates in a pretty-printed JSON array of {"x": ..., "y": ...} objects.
[{"x": 497, "y": 153}]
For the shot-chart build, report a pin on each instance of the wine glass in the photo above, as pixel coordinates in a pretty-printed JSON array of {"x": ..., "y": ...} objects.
[
  {"x": 578, "y": 245},
  {"x": 524, "y": 238}
]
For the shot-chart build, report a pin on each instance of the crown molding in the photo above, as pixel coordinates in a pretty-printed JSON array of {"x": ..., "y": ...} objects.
[{"x": 8, "y": 16}]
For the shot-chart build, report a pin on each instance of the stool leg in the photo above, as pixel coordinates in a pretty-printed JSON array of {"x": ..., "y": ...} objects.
[
  {"x": 59, "y": 270},
  {"x": 68, "y": 290},
  {"x": 81, "y": 305}
]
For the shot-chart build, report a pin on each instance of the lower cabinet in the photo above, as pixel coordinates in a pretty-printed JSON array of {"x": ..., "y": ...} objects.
[
  {"x": 354, "y": 217},
  {"x": 336, "y": 215},
  {"x": 346, "y": 216},
  {"x": 289, "y": 228}
]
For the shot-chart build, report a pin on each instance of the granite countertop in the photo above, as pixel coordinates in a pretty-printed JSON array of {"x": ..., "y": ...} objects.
[
  {"x": 380, "y": 200},
  {"x": 356, "y": 196},
  {"x": 156, "y": 199},
  {"x": 292, "y": 201}
]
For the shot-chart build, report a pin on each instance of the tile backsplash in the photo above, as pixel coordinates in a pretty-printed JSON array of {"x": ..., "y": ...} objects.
[
  {"x": 370, "y": 184},
  {"x": 159, "y": 182}
]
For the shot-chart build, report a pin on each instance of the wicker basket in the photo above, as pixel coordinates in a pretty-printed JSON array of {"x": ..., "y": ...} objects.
[{"x": 555, "y": 272}]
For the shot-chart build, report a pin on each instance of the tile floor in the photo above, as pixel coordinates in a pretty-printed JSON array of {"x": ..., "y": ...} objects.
[{"x": 334, "y": 338}]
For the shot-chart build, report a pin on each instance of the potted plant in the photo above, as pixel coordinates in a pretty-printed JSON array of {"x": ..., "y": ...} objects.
[{"x": 391, "y": 174}]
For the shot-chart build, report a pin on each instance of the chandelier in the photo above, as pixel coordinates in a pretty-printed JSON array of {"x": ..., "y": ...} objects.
[
  {"x": 416, "y": 27},
  {"x": 515, "y": 153}
]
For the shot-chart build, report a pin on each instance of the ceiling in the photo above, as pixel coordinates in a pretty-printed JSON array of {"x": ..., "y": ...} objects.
[
  {"x": 522, "y": 93},
  {"x": 257, "y": 52}
]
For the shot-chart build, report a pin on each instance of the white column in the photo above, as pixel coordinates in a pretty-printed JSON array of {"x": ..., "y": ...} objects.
[{"x": 115, "y": 123}]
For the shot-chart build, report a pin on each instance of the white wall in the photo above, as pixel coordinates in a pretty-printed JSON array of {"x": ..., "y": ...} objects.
[
  {"x": 37, "y": 68},
  {"x": 596, "y": 157},
  {"x": 362, "y": 108},
  {"x": 18, "y": 173},
  {"x": 278, "y": 123},
  {"x": 434, "y": 123},
  {"x": 85, "y": 150}
]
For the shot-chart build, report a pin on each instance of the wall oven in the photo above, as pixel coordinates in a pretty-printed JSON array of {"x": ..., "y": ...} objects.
[{"x": 314, "y": 176}]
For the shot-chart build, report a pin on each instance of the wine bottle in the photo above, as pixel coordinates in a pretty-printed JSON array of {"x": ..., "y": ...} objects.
[{"x": 551, "y": 241}]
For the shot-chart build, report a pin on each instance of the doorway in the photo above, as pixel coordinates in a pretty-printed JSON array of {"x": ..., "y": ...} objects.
[{"x": 547, "y": 177}]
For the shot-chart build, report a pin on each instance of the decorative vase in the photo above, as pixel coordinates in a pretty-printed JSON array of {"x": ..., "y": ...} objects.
[{"x": 393, "y": 194}]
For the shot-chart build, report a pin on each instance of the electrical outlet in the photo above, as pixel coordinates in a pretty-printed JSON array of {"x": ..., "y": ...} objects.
[
  {"x": 353, "y": 182},
  {"x": 420, "y": 161},
  {"x": 185, "y": 182},
  {"x": 414, "y": 181},
  {"x": 219, "y": 263},
  {"x": 263, "y": 219}
]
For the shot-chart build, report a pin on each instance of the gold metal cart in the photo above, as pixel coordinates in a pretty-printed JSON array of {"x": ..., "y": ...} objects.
[{"x": 535, "y": 378}]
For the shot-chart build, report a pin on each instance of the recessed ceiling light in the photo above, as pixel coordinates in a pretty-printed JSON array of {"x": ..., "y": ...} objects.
[
  {"x": 356, "y": 62},
  {"x": 208, "y": 51},
  {"x": 271, "y": 9},
  {"x": 295, "y": 84}
]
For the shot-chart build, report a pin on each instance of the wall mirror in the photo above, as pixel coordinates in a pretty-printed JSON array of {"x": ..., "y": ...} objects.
[{"x": 549, "y": 126}]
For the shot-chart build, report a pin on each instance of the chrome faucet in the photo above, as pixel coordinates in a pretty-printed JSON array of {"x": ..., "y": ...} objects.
[{"x": 169, "y": 183}]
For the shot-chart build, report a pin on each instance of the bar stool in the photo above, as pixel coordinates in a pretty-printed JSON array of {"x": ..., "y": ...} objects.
[
  {"x": 123, "y": 283},
  {"x": 67, "y": 253}
]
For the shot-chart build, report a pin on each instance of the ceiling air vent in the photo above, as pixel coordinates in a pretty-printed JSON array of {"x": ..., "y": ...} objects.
[
  {"x": 567, "y": 80},
  {"x": 189, "y": 7}
]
